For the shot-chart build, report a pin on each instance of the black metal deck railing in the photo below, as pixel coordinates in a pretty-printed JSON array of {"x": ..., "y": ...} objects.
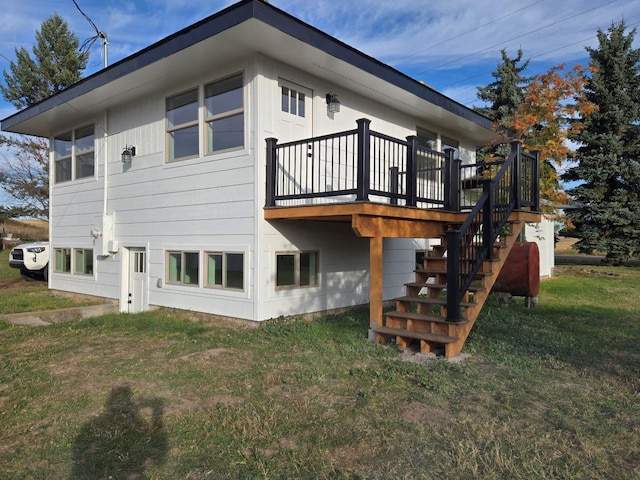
[{"x": 365, "y": 166}]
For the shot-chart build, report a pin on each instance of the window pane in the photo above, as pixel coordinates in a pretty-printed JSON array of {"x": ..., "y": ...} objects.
[
  {"x": 285, "y": 270},
  {"x": 63, "y": 170},
  {"x": 182, "y": 108},
  {"x": 62, "y": 145},
  {"x": 88, "y": 262},
  {"x": 175, "y": 267},
  {"x": 308, "y": 268},
  {"x": 84, "y": 139},
  {"x": 214, "y": 269},
  {"x": 301, "y": 112},
  {"x": 426, "y": 139},
  {"x": 235, "y": 270},
  {"x": 191, "y": 260},
  {"x": 226, "y": 133},
  {"x": 63, "y": 260},
  {"x": 183, "y": 143},
  {"x": 79, "y": 261},
  {"x": 285, "y": 99},
  {"x": 224, "y": 96},
  {"x": 84, "y": 165},
  {"x": 294, "y": 102}
]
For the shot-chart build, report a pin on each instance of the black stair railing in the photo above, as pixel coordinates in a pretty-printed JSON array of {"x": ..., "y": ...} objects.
[{"x": 514, "y": 186}]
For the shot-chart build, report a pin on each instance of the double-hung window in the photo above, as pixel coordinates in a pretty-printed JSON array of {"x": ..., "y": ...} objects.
[
  {"x": 297, "y": 269},
  {"x": 182, "y": 125},
  {"x": 225, "y": 270},
  {"x": 74, "y": 154},
  {"x": 221, "y": 125},
  {"x": 224, "y": 118},
  {"x": 183, "y": 268}
]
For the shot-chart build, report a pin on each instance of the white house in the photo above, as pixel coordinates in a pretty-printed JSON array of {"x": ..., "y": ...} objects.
[{"x": 160, "y": 177}]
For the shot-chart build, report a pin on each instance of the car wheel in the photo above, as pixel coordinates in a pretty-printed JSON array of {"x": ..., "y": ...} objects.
[{"x": 45, "y": 273}]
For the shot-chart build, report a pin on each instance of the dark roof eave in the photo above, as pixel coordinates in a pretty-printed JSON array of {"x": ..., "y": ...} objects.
[{"x": 225, "y": 19}]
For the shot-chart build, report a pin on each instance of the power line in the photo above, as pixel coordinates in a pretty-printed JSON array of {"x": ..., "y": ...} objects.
[
  {"x": 532, "y": 57},
  {"x": 469, "y": 31},
  {"x": 514, "y": 38},
  {"x": 88, "y": 43}
]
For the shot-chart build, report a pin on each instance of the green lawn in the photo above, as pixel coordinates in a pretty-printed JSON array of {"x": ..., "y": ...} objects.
[{"x": 551, "y": 392}]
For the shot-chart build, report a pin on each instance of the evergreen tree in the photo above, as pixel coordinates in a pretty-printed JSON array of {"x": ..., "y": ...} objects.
[
  {"x": 56, "y": 64},
  {"x": 506, "y": 93},
  {"x": 608, "y": 159}
]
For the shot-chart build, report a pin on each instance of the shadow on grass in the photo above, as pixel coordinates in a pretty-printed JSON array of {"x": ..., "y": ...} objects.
[{"x": 121, "y": 442}]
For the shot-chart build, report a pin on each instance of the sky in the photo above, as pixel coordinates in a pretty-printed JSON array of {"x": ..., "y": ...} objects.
[{"x": 452, "y": 45}]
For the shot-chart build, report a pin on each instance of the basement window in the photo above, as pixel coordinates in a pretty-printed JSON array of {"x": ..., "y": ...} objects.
[
  {"x": 83, "y": 261},
  {"x": 183, "y": 268},
  {"x": 225, "y": 270},
  {"x": 297, "y": 269},
  {"x": 62, "y": 260}
]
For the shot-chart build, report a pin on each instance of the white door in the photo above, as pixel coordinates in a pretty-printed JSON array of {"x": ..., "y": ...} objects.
[
  {"x": 295, "y": 112},
  {"x": 138, "y": 280}
]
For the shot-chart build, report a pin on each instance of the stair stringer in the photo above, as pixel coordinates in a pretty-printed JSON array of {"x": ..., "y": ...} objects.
[
  {"x": 434, "y": 332},
  {"x": 471, "y": 313}
]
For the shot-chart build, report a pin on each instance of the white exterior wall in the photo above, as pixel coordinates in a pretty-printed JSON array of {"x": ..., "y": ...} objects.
[
  {"x": 215, "y": 203},
  {"x": 543, "y": 234}
]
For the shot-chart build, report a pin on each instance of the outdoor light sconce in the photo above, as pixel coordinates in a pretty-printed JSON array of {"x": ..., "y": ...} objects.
[
  {"x": 128, "y": 153},
  {"x": 333, "y": 102}
]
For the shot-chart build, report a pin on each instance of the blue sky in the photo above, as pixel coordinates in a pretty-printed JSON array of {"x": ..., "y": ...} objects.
[{"x": 453, "y": 45}]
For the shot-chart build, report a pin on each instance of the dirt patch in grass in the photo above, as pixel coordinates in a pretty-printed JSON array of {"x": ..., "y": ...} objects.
[{"x": 426, "y": 416}]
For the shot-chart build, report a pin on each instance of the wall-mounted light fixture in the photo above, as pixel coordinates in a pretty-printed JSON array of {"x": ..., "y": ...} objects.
[
  {"x": 128, "y": 153},
  {"x": 333, "y": 102}
]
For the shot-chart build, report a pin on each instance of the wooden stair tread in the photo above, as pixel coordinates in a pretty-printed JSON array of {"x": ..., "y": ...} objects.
[
  {"x": 422, "y": 317},
  {"x": 429, "y": 337},
  {"x": 430, "y": 271},
  {"x": 440, "y": 285},
  {"x": 432, "y": 301}
]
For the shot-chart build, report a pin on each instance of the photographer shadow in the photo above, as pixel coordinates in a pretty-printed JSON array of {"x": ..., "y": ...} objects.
[{"x": 121, "y": 442}]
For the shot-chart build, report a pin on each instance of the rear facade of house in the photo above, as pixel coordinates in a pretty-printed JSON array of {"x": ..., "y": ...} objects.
[{"x": 180, "y": 220}]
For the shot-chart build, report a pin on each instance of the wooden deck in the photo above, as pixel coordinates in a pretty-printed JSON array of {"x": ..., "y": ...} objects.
[{"x": 376, "y": 222}]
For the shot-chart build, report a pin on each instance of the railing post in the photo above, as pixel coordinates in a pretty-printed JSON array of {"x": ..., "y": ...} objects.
[
  {"x": 453, "y": 275},
  {"x": 451, "y": 181},
  {"x": 412, "y": 170},
  {"x": 394, "y": 184},
  {"x": 487, "y": 218},
  {"x": 516, "y": 170},
  {"x": 364, "y": 158},
  {"x": 270, "y": 190},
  {"x": 535, "y": 181}
]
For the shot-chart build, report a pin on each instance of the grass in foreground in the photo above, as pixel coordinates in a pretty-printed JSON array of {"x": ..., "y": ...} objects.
[
  {"x": 17, "y": 296},
  {"x": 547, "y": 393}
]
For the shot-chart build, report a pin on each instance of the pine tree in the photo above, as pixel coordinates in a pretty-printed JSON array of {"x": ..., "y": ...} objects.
[
  {"x": 56, "y": 64},
  {"x": 507, "y": 92},
  {"x": 608, "y": 159}
]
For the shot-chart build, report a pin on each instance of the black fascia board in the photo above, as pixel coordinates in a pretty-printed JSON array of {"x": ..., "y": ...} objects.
[{"x": 228, "y": 18}]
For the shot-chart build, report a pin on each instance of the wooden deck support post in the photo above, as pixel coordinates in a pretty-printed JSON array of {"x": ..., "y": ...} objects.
[{"x": 375, "y": 282}]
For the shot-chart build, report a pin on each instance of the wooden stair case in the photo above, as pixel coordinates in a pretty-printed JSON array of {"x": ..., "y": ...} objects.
[{"x": 421, "y": 315}]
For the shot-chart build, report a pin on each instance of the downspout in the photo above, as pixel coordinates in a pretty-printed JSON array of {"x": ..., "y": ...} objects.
[{"x": 105, "y": 194}]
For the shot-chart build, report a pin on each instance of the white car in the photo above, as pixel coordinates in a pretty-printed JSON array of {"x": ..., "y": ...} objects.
[{"x": 32, "y": 259}]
